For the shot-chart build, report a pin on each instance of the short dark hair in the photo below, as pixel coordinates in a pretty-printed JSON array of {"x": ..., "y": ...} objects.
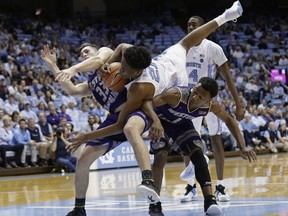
[
  {"x": 85, "y": 45},
  {"x": 200, "y": 20},
  {"x": 137, "y": 57},
  {"x": 209, "y": 85}
]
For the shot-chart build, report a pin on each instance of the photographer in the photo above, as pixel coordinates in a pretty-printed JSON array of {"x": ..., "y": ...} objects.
[{"x": 63, "y": 158}]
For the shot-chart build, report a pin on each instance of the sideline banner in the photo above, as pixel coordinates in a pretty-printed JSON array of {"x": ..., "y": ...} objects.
[{"x": 122, "y": 156}]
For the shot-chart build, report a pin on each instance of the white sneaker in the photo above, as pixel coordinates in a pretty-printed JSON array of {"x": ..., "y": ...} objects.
[
  {"x": 191, "y": 194},
  {"x": 221, "y": 196},
  {"x": 234, "y": 12},
  {"x": 189, "y": 172},
  {"x": 148, "y": 191}
]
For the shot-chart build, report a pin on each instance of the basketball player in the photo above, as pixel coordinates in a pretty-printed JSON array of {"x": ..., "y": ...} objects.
[
  {"x": 150, "y": 79},
  {"x": 176, "y": 107},
  {"x": 201, "y": 62},
  {"x": 112, "y": 101}
]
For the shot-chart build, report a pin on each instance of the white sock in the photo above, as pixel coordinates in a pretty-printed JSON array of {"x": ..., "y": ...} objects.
[
  {"x": 220, "y": 182},
  {"x": 191, "y": 182},
  {"x": 220, "y": 20}
]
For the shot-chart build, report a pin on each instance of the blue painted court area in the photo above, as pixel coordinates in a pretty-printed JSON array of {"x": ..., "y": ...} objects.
[{"x": 121, "y": 206}]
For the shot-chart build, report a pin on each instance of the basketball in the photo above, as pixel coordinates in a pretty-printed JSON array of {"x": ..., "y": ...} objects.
[{"x": 113, "y": 80}]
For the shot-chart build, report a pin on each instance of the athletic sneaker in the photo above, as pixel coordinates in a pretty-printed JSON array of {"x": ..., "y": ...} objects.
[
  {"x": 189, "y": 172},
  {"x": 191, "y": 193},
  {"x": 149, "y": 191},
  {"x": 155, "y": 209},
  {"x": 233, "y": 12},
  {"x": 77, "y": 212},
  {"x": 211, "y": 207},
  {"x": 221, "y": 195}
]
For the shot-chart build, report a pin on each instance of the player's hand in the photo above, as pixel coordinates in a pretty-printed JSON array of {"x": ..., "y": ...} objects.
[
  {"x": 104, "y": 70},
  {"x": 240, "y": 111},
  {"x": 156, "y": 131},
  {"x": 48, "y": 56},
  {"x": 248, "y": 154},
  {"x": 76, "y": 142},
  {"x": 66, "y": 74}
]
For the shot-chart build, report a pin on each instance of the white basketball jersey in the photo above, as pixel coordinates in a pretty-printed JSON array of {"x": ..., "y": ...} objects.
[
  {"x": 166, "y": 70},
  {"x": 202, "y": 61}
]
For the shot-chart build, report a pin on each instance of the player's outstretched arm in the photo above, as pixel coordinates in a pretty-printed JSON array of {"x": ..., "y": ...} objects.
[
  {"x": 89, "y": 64},
  {"x": 240, "y": 110},
  {"x": 196, "y": 36},
  {"x": 49, "y": 57},
  {"x": 219, "y": 111}
]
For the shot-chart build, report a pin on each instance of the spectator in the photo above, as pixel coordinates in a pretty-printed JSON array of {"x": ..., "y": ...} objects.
[
  {"x": 63, "y": 158},
  {"x": 91, "y": 125},
  {"x": 40, "y": 142},
  {"x": 6, "y": 136},
  {"x": 63, "y": 113},
  {"x": 271, "y": 137},
  {"x": 250, "y": 132},
  {"x": 1, "y": 117},
  {"x": 52, "y": 117},
  {"x": 278, "y": 91},
  {"x": 14, "y": 119},
  {"x": 27, "y": 112},
  {"x": 22, "y": 136},
  {"x": 11, "y": 105},
  {"x": 282, "y": 135}
]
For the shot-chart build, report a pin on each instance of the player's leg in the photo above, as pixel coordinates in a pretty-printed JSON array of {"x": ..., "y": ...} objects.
[
  {"x": 191, "y": 146},
  {"x": 214, "y": 128},
  {"x": 137, "y": 124},
  {"x": 84, "y": 161},
  {"x": 189, "y": 174}
]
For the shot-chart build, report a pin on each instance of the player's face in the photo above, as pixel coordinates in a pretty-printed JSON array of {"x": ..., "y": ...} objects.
[
  {"x": 199, "y": 96},
  {"x": 127, "y": 72},
  {"x": 88, "y": 52},
  {"x": 192, "y": 24}
]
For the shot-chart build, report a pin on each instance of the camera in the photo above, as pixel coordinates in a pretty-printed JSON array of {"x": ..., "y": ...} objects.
[{"x": 59, "y": 131}]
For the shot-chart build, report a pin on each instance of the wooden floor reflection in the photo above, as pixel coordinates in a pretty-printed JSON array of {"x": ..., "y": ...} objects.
[{"x": 260, "y": 188}]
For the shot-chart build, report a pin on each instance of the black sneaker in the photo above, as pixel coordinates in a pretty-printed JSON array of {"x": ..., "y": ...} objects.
[
  {"x": 22, "y": 165},
  {"x": 191, "y": 193},
  {"x": 221, "y": 195},
  {"x": 149, "y": 191},
  {"x": 155, "y": 209},
  {"x": 77, "y": 212},
  {"x": 211, "y": 207}
]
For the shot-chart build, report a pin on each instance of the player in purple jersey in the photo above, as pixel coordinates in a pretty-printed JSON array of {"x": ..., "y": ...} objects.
[
  {"x": 176, "y": 107},
  {"x": 112, "y": 101}
]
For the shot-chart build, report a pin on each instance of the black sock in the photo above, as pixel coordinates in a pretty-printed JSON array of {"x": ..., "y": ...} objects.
[
  {"x": 79, "y": 202},
  {"x": 147, "y": 175}
]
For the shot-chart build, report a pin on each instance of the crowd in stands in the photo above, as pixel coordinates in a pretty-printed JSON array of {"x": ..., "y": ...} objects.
[{"x": 37, "y": 117}]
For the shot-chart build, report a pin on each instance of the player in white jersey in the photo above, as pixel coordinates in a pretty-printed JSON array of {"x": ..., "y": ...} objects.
[
  {"x": 202, "y": 61},
  {"x": 147, "y": 83}
]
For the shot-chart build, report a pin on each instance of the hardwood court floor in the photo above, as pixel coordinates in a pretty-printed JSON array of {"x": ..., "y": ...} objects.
[{"x": 255, "y": 189}]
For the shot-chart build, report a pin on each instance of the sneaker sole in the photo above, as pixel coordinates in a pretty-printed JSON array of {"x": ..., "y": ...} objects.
[
  {"x": 223, "y": 199},
  {"x": 150, "y": 195},
  {"x": 214, "y": 210},
  {"x": 188, "y": 200}
]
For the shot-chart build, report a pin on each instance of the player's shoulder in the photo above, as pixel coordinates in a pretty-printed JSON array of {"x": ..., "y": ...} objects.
[
  {"x": 211, "y": 44},
  {"x": 105, "y": 49}
]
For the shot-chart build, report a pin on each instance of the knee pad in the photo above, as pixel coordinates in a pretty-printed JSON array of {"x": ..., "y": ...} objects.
[
  {"x": 201, "y": 168},
  {"x": 156, "y": 147}
]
